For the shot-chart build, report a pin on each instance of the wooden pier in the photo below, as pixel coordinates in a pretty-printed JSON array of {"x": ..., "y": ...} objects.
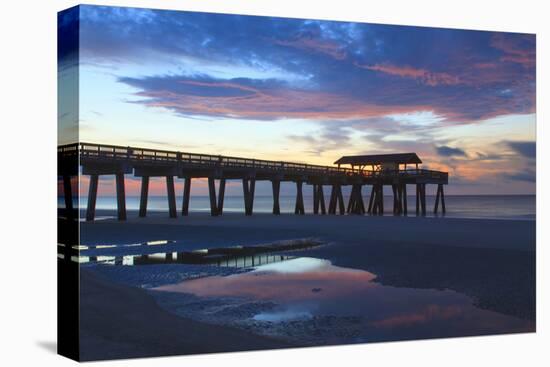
[{"x": 374, "y": 171}]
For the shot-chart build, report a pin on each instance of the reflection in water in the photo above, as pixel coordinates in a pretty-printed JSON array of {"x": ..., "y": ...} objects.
[
  {"x": 242, "y": 261},
  {"x": 312, "y": 301},
  {"x": 234, "y": 256}
]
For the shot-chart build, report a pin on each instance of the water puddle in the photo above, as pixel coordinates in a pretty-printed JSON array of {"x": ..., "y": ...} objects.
[{"x": 311, "y": 301}]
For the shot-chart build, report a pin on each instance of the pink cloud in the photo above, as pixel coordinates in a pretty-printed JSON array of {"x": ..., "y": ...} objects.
[
  {"x": 518, "y": 49},
  {"x": 326, "y": 47},
  {"x": 272, "y": 104},
  {"x": 424, "y": 76}
]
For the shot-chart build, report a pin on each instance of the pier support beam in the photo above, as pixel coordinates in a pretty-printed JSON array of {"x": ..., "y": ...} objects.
[
  {"x": 417, "y": 199},
  {"x": 120, "y": 196},
  {"x": 186, "y": 196},
  {"x": 399, "y": 199},
  {"x": 356, "y": 204},
  {"x": 378, "y": 199},
  {"x": 216, "y": 205},
  {"x": 171, "y": 194},
  {"x": 396, "y": 204},
  {"x": 443, "y": 209},
  {"x": 276, "y": 186},
  {"x": 318, "y": 199},
  {"x": 371, "y": 200},
  {"x": 299, "y": 208},
  {"x": 70, "y": 211},
  {"x": 144, "y": 196},
  {"x": 92, "y": 197},
  {"x": 249, "y": 185},
  {"x": 404, "y": 195},
  {"x": 336, "y": 200},
  {"x": 221, "y": 196},
  {"x": 421, "y": 199},
  {"x": 439, "y": 196}
]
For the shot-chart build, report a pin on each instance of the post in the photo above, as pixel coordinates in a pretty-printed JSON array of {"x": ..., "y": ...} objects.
[
  {"x": 332, "y": 201},
  {"x": 369, "y": 210},
  {"x": 276, "y": 186},
  {"x": 417, "y": 199},
  {"x": 212, "y": 194},
  {"x": 315, "y": 199},
  {"x": 186, "y": 196},
  {"x": 221, "y": 195},
  {"x": 395, "y": 199},
  {"x": 356, "y": 205},
  {"x": 248, "y": 190},
  {"x": 251, "y": 196},
  {"x": 121, "y": 196},
  {"x": 436, "y": 199},
  {"x": 299, "y": 208},
  {"x": 340, "y": 199},
  {"x": 381, "y": 208},
  {"x": 171, "y": 196},
  {"x": 351, "y": 201},
  {"x": 321, "y": 197},
  {"x": 143, "y": 196},
  {"x": 423, "y": 198},
  {"x": 405, "y": 209},
  {"x": 68, "y": 194},
  {"x": 92, "y": 197},
  {"x": 443, "y": 210}
]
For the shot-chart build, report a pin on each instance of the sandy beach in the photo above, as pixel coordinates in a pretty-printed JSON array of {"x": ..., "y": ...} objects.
[{"x": 490, "y": 262}]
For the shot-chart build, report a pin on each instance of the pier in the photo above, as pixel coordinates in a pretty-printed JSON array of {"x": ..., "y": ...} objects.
[{"x": 371, "y": 171}]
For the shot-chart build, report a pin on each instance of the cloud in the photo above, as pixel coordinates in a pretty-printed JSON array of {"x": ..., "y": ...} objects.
[
  {"x": 527, "y": 176},
  {"x": 527, "y": 149},
  {"x": 516, "y": 48},
  {"x": 326, "y": 47},
  {"x": 246, "y": 98},
  {"x": 447, "y": 151},
  {"x": 422, "y": 75},
  {"x": 463, "y": 76}
]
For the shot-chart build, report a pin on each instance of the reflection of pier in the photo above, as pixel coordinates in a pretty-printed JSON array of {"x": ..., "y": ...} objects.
[
  {"x": 376, "y": 171},
  {"x": 235, "y": 256},
  {"x": 231, "y": 261}
]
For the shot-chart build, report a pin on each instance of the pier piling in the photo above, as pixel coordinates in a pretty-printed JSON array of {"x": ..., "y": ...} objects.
[
  {"x": 276, "y": 186},
  {"x": 299, "y": 208},
  {"x": 171, "y": 194},
  {"x": 92, "y": 197},
  {"x": 144, "y": 196},
  {"x": 186, "y": 196},
  {"x": 120, "y": 195}
]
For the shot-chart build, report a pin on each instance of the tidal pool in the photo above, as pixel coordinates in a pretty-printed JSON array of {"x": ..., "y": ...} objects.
[{"x": 311, "y": 301}]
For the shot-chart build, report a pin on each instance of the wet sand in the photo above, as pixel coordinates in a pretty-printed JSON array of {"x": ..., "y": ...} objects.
[
  {"x": 491, "y": 261},
  {"x": 118, "y": 321}
]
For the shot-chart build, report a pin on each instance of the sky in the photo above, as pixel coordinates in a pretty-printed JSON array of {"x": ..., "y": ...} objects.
[{"x": 302, "y": 90}]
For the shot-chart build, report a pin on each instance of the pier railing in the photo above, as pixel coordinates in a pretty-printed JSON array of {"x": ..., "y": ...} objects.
[
  {"x": 90, "y": 150},
  {"x": 146, "y": 155}
]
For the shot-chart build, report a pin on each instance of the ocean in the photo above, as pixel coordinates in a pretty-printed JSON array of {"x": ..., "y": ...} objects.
[{"x": 521, "y": 207}]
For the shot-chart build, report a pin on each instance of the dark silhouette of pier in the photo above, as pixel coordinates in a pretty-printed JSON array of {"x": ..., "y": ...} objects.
[{"x": 375, "y": 171}]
